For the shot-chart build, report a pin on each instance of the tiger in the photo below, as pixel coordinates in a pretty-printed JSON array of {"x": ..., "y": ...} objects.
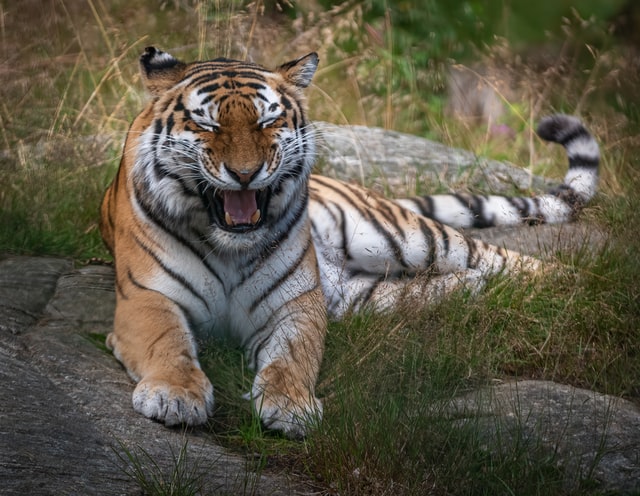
[{"x": 219, "y": 228}]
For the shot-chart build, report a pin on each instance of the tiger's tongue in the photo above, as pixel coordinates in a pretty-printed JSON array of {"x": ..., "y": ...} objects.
[{"x": 240, "y": 207}]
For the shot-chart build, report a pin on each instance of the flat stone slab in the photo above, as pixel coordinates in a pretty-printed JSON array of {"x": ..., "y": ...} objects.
[
  {"x": 595, "y": 437},
  {"x": 65, "y": 405}
]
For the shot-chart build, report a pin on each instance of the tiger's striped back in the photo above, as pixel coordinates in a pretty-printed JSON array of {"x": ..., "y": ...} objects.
[{"x": 371, "y": 248}]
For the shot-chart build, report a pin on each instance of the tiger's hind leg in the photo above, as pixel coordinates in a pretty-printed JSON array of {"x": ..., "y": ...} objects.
[
  {"x": 383, "y": 292},
  {"x": 385, "y": 251}
]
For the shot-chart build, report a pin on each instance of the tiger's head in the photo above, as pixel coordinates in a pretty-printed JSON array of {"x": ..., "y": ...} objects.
[{"x": 226, "y": 134}]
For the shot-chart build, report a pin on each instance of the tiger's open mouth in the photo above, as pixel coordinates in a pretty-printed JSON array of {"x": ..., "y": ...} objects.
[{"x": 237, "y": 211}]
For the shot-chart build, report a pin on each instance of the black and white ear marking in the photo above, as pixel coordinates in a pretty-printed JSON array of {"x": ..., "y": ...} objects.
[
  {"x": 160, "y": 70},
  {"x": 156, "y": 60},
  {"x": 300, "y": 71}
]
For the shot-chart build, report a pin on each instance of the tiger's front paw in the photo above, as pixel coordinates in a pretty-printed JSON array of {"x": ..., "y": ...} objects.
[
  {"x": 293, "y": 414},
  {"x": 294, "y": 420},
  {"x": 173, "y": 403}
]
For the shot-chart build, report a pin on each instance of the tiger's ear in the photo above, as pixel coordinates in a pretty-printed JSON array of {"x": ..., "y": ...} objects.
[
  {"x": 160, "y": 70},
  {"x": 300, "y": 71}
]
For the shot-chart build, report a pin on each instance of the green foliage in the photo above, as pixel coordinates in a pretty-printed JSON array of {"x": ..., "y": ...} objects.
[
  {"x": 50, "y": 205},
  {"x": 425, "y": 30},
  {"x": 391, "y": 427}
]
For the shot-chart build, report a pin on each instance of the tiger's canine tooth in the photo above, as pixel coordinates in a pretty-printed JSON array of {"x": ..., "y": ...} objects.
[{"x": 255, "y": 217}]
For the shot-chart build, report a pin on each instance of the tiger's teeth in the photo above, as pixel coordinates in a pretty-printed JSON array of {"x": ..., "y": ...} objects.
[
  {"x": 255, "y": 217},
  {"x": 228, "y": 219}
]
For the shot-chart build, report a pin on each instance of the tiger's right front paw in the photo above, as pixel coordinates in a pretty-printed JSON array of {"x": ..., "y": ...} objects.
[{"x": 173, "y": 403}]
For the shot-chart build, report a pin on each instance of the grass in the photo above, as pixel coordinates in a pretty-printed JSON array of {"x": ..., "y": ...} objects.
[
  {"x": 183, "y": 479},
  {"x": 387, "y": 381},
  {"x": 50, "y": 204}
]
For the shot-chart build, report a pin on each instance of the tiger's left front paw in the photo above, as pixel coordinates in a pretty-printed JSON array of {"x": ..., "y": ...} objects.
[
  {"x": 294, "y": 411},
  {"x": 293, "y": 419}
]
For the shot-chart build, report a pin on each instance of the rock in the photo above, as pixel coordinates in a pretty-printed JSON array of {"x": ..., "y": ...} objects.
[
  {"x": 65, "y": 404},
  {"x": 595, "y": 437},
  {"x": 395, "y": 161},
  {"x": 21, "y": 304}
]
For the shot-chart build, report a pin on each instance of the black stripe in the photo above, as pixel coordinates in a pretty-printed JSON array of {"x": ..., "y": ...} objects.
[
  {"x": 584, "y": 161},
  {"x": 576, "y": 133},
  {"x": 179, "y": 105},
  {"x": 314, "y": 196},
  {"x": 209, "y": 72},
  {"x": 404, "y": 212},
  {"x": 160, "y": 223},
  {"x": 343, "y": 224},
  {"x": 268, "y": 329},
  {"x": 157, "y": 131},
  {"x": 393, "y": 244},
  {"x": 170, "y": 123},
  {"x": 442, "y": 230},
  {"x": 383, "y": 209},
  {"x": 345, "y": 236},
  {"x": 475, "y": 204},
  {"x": 427, "y": 232},
  {"x": 185, "y": 312},
  {"x": 162, "y": 171},
  {"x": 149, "y": 348},
  {"x": 258, "y": 87},
  {"x": 521, "y": 205},
  {"x": 278, "y": 282},
  {"x": 391, "y": 241},
  {"x": 119, "y": 289},
  {"x": 364, "y": 297},
  {"x": 174, "y": 275},
  {"x": 425, "y": 205},
  {"x": 210, "y": 88},
  {"x": 472, "y": 252},
  {"x": 540, "y": 216},
  {"x": 284, "y": 100}
]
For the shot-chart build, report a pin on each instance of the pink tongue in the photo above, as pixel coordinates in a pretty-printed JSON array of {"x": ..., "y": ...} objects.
[{"x": 240, "y": 205}]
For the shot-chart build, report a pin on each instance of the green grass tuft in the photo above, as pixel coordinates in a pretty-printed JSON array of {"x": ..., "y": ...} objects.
[{"x": 183, "y": 478}]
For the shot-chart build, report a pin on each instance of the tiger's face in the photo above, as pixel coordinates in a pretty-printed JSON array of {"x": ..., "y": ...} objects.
[{"x": 231, "y": 136}]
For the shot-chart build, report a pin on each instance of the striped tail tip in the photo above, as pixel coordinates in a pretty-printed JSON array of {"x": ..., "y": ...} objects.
[{"x": 581, "y": 181}]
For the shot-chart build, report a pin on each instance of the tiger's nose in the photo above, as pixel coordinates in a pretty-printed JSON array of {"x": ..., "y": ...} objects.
[{"x": 243, "y": 175}]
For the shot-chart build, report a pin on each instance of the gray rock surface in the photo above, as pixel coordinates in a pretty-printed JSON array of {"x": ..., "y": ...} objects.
[
  {"x": 595, "y": 437},
  {"x": 65, "y": 405},
  {"x": 396, "y": 160}
]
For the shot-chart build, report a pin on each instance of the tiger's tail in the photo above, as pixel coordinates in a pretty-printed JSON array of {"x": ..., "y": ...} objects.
[
  {"x": 581, "y": 181},
  {"x": 560, "y": 204}
]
